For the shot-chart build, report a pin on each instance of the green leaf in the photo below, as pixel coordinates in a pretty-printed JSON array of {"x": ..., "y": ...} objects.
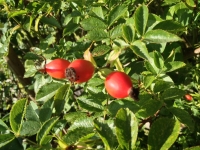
[
  {"x": 191, "y": 3},
  {"x": 106, "y": 133},
  {"x": 161, "y": 85},
  {"x": 193, "y": 148},
  {"x": 5, "y": 139},
  {"x": 16, "y": 13},
  {"x": 30, "y": 128},
  {"x": 170, "y": 26},
  {"x": 148, "y": 80},
  {"x": 116, "y": 13},
  {"x": 93, "y": 23},
  {"x": 3, "y": 126},
  {"x": 153, "y": 20},
  {"x": 45, "y": 129},
  {"x": 126, "y": 129},
  {"x": 73, "y": 116},
  {"x": 160, "y": 36},
  {"x": 163, "y": 133},
  {"x": 116, "y": 105},
  {"x": 97, "y": 35},
  {"x": 171, "y": 66},
  {"x": 75, "y": 135},
  {"x": 100, "y": 50},
  {"x": 61, "y": 97},
  {"x": 70, "y": 28},
  {"x": 139, "y": 48},
  {"x": 116, "y": 32},
  {"x": 141, "y": 18},
  {"x": 82, "y": 122},
  {"x": 27, "y": 25},
  {"x": 50, "y": 21},
  {"x": 9, "y": 142},
  {"x": 31, "y": 56},
  {"x": 129, "y": 33},
  {"x": 30, "y": 68},
  {"x": 46, "y": 110},
  {"x": 149, "y": 108},
  {"x": 17, "y": 115},
  {"x": 158, "y": 60},
  {"x": 47, "y": 91},
  {"x": 90, "y": 104},
  {"x": 31, "y": 113},
  {"x": 184, "y": 117},
  {"x": 149, "y": 66},
  {"x": 172, "y": 94},
  {"x": 98, "y": 11}
]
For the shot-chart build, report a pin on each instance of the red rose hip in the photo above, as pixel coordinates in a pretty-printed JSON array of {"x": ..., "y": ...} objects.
[
  {"x": 56, "y": 68},
  {"x": 119, "y": 85},
  {"x": 80, "y": 71},
  {"x": 188, "y": 97}
]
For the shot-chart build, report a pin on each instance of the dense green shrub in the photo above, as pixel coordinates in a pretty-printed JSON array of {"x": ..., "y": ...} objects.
[{"x": 155, "y": 42}]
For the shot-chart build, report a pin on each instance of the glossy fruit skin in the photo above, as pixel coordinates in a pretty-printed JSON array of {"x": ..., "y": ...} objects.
[
  {"x": 82, "y": 70},
  {"x": 118, "y": 84},
  {"x": 188, "y": 97},
  {"x": 56, "y": 68}
]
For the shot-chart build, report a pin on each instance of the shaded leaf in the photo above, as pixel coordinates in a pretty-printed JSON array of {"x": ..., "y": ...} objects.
[
  {"x": 75, "y": 135},
  {"x": 141, "y": 18},
  {"x": 139, "y": 48},
  {"x": 6, "y": 138},
  {"x": 129, "y": 33},
  {"x": 106, "y": 134},
  {"x": 161, "y": 85},
  {"x": 169, "y": 25},
  {"x": 46, "y": 110},
  {"x": 126, "y": 129},
  {"x": 172, "y": 94},
  {"x": 3, "y": 126},
  {"x": 149, "y": 66},
  {"x": 61, "y": 97},
  {"x": 148, "y": 80},
  {"x": 10, "y": 143},
  {"x": 171, "y": 66},
  {"x": 45, "y": 129},
  {"x": 163, "y": 133},
  {"x": 183, "y": 116},
  {"x": 50, "y": 21},
  {"x": 158, "y": 60},
  {"x": 116, "y": 13},
  {"x": 70, "y": 28},
  {"x": 149, "y": 108},
  {"x": 116, "y": 105},
  {"x": 100, "y": 50}
]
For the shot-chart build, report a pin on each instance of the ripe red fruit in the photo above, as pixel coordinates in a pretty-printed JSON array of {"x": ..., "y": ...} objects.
[
  {"x": 119, "y": 85},
  {"x": 188, "y": 97},
  {"x": 80, "y": 71},
  {"x": 56, "y": 68}
]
